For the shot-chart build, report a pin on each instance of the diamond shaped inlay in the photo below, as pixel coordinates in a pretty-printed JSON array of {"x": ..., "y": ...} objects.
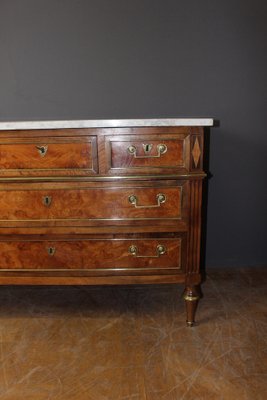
[{"x": 196, "y": 152}]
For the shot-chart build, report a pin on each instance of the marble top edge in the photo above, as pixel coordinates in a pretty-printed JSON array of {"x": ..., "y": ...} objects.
[{"x": 105, "y": 123}]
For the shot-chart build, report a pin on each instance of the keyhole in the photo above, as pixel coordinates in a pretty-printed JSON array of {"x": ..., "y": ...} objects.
[
  {"x": 47, "y": 200},
  {"x": 51, "y": 251},
  {"x": 147, "y": 147},
  {"x": 42, "y": 150}
]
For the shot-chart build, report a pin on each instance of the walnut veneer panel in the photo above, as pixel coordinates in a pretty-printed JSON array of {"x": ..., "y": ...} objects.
[
  {"x": 89, "y": 203},
  {"x": 147, "y": 153},
  {"x": 65, "y": 204},
  {"x": 131, "y": 253},
  {"x": 48, "y": 156}
]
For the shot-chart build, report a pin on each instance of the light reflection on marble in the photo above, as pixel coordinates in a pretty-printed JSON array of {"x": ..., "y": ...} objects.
[
  {"x": 105, "y": 123},
  {"x": 131, "y": 343}
]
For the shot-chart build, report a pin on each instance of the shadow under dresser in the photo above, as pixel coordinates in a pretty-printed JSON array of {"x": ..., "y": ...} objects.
[{"x": 101, "y": 202}]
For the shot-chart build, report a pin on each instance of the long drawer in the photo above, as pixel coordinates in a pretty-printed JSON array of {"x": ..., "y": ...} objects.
[
  {"x": 67, "y": 204},
  {"x": 156, "y": 253}
]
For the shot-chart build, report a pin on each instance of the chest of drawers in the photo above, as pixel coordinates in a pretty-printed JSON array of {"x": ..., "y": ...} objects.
[{"x": 102, "y": 202}]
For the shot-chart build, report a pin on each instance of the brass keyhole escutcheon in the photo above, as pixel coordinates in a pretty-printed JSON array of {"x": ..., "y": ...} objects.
[
  {"x": 147, "y": 148},
  {"x": 47, "y": 200},
  {"x": 51, "y": 250},
  {"x": 42, "y": 150}
]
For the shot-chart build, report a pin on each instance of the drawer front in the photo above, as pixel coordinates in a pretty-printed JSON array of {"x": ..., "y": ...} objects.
[
  {"x": 51, "y": 156},
  {"x": 146, "y": 253},
  {"x": 71, "y": 205},
  {"x": 147, "y": 154}
]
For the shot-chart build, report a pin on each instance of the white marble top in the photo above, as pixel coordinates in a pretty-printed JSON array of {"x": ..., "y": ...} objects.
[{"x": 105, "y": 123}]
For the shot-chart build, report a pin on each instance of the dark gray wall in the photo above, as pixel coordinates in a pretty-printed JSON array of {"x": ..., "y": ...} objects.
[{"x": 159, "y": 58}]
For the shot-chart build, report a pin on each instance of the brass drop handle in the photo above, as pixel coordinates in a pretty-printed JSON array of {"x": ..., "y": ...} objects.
[
  {"x": 161, "y": 148},
  {"x": 47, "y": 200},
  {"x": 161, "y": 198},
  {"x": 42, "y": 150},
  {"x": 51, "y": 250},
  {"x": 160, "y": 250}
]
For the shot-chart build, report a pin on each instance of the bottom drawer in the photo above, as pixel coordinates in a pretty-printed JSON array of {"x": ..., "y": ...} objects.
[{"x": 156, "y": 253}]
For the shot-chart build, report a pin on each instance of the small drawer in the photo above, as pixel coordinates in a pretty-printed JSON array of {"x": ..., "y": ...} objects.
[
  {"x": 48, "y": 156},
  {"x": 147, "y": 154},
  {"x": 158, "y": 253},
  {"x": 60, "y": 204}
]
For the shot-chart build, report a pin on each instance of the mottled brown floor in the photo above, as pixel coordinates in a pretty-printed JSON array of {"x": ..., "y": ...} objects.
[{"x": 131, "y": 343}]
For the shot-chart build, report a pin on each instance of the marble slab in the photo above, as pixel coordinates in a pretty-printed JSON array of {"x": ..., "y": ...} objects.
[{"x": 105, "y": 123}]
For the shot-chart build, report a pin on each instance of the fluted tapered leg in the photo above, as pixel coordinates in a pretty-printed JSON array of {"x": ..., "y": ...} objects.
[{"x": 191, "y": 296}]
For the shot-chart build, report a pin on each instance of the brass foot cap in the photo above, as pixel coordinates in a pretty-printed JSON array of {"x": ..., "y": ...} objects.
[{"x": 190, "y": 323}]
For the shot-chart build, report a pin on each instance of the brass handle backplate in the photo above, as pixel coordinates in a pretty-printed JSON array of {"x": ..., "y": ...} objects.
[
  {"x": 161, "y": 198},
  {"x": 161, "y": 148},
  {"x": 160, "y": 250},
  {"x": 47, "y": 200},
  {"x": 42, "y": 150},
  {"x": 51, "y": 250}
]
